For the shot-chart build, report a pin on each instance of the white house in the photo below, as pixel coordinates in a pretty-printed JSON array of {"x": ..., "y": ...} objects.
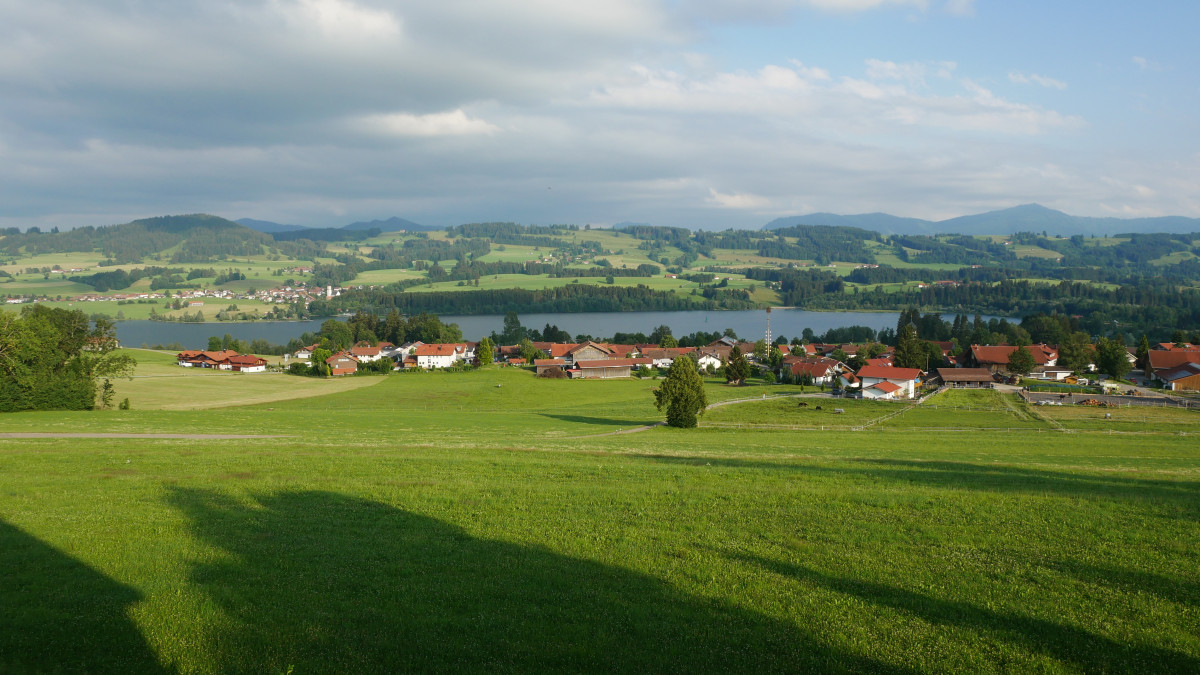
[
  {"x": 443, "y": 355},
  {"x": 906, "y": 379}
]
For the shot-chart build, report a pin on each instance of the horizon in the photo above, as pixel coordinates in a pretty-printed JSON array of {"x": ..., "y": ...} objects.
[{"x": 684, "y": 114}]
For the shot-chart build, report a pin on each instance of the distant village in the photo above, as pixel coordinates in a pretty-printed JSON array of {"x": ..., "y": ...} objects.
[{"x": 1171, "y": 366}]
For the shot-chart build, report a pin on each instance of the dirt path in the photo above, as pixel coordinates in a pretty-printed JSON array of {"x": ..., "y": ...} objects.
[{"x": 190, "y": 437}]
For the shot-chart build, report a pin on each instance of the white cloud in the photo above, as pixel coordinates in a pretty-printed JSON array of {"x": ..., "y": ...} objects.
[
  {"x": 1048, "y": 82},
  {"x": 961, "y": 7},
  {"x": 453, "y": 123},
  {"x": 737, "y": 200}
]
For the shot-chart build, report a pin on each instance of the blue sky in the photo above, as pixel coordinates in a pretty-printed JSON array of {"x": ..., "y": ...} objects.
[{"x": 696, "y": 113}]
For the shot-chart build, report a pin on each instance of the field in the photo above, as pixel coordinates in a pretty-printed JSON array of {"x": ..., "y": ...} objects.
[{"x": 493, "y": 521}]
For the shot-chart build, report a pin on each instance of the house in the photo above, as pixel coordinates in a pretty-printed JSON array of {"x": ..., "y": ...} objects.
[
  {"x": 305, "y": 353},
  {"x": 1050, "y": 373},
  {"x": 882, "y": 391},
  {"x": 712, "y": 357},
  {"x": 364, "y": 353},
  {"x": 966, "y": 377},
  {"x": 1163, "y": 364},
  {"x": 822, "y": 371},
  {"x": 342, "y": 363},
  {"x": 217, "y": 360},
  {"x": 248, "y": 363},
  {"x": 444, "y": 355},
  {"x": 604, "y": 369},
  {"x": 995, "y": 357},
  {"x": 665, "y": 356},
  {"x": 906, "y": 379},
  {"x": 589, "y": 351},
  {"x": 1181, "y": 378}
]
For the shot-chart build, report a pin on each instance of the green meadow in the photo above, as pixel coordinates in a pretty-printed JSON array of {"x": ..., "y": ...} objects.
[{"x": 492, "y": 521}]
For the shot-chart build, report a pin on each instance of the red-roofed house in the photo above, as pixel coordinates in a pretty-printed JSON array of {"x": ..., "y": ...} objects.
[
  {"x": 665, "y": 356},
  {"x": 443, "y": 355},
  {"x": 248, "y": 363},
  {"x": 906, "y": 379},
  {"x": 995, "y": 357},
  {"x": 589, "y": 351},
  {"x": 1165, "y": 364},
  {"x": 821, "y": 371},
  {"x": 882, "y": 390},
  {"x": 365, "y": 353},
  {"x": 342, "y": 363}
]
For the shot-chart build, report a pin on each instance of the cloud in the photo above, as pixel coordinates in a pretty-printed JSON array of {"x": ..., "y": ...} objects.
[
  {"x": 453, "y": 123},
  {"x": 1048, "y": 82},
  {"x": 737, "y": 200},
  {"x": 1146, "y": 64},
  {"x": 961, "y": 7}
]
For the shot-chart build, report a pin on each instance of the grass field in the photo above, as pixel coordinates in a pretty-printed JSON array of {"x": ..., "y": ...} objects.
[{"x": 481, "y": 521}]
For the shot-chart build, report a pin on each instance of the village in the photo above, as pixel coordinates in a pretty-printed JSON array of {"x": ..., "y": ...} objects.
[{"x": 859, "y": 371}]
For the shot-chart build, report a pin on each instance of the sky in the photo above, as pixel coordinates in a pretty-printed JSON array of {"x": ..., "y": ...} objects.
[{"x": 692, "y": 113}]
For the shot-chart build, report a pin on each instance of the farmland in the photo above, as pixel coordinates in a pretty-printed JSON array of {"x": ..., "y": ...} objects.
[{"x": 461, "y": 521}]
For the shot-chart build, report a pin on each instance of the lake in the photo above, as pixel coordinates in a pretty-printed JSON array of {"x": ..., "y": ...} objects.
[{"x": 748, "y": 324}]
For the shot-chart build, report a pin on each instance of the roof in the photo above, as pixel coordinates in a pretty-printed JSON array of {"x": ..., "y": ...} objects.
[
  {"x": 889, "y": 372},
  {"x": 1160, "y": 360},
  {"x": 555, "y": 349},
  {"x": 365, "y": 351},
  {"x": 814, "y": 368},
  {"x": 965, "y": 374},
  {"x": 613, "y": 363},
  {"x": 667, "y": 352},
  {"x": 341, "y": 356},
  {"x": 246, "y": 360},
  {"x": 549, "y": 362},
  {"x": 440, "y": 349},
  {"x": 886, "y": 387},
  {"x": 594, "y": 345},
  {"x": 1179, "y": 373},
  {"x": 999, "y": 354}
]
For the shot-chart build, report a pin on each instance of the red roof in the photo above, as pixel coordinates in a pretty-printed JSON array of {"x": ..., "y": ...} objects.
[
  {"x": 246, "y": 360},
  {"x": 440, "y": 349},
  {"x": 549, "y": 362},
  {"x": 889, "y": 372},
  {"x": 813, "y": 368},
  {"x": 365, "y": 351},
  {"x": 886, "y": 387},
  {"x": 1160, "y": 359},
  {"x": 999, "y": 354}
]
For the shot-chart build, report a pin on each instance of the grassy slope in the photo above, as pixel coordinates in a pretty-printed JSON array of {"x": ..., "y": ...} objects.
[{"x": 434, "y": 521}]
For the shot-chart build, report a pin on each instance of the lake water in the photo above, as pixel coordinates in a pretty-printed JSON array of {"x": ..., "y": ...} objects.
[{"x": 749, "y": 325}]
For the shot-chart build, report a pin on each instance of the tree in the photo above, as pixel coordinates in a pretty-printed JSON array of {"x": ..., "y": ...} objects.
[
  {"x": 760, "y": 351},
  {"x": 319, "y": 367},
  {"x": 1020, "y": 361},
  {"x": 738, "y": 369},
  {"x": 1143, "y": 353},
  {"x": 668, "y": 342},
  {"x": 910, "y": 351},
  {"x": 485, "y": 352},
  {"x": 1112, "y": 358},
  {"x": 51, "y": 359},
  {"x": 1075, "y": 352},
  {"x": 682, "y": 394}
]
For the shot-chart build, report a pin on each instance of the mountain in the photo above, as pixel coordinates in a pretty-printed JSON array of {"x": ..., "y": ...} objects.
[
  {"x": 878, "y": 222},
  {"x": 1024, "y": 218},
  {"x": 392, "y": 224},
  {"x": 269, "y": 227}
]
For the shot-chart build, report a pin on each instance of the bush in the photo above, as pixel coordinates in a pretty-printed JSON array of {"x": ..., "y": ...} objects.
[{"x": 553, "y": 374}]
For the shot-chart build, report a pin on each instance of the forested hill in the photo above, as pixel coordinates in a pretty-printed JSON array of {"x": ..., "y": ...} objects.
[
  {"x": 194, "y": 238},
  {"x": 1023, "y": 218}
]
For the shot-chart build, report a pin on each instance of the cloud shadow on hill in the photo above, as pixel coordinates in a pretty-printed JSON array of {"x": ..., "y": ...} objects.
[{"x": 327, "y": 582}]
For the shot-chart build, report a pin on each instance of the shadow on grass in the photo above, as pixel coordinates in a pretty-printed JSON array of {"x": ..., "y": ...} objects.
[
  {"x": 1134, "y": 581},
  {"x": 1181, "y": 495},
  {"x": 1068, "y": 644},
  {"x": 326, "y": 582},
  {"x": 601, "y": 421},
  {"x": 57, "y": 614}
]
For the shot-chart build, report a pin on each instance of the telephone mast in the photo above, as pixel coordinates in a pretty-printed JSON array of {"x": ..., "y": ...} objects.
[{"x": 768, "y": 328}]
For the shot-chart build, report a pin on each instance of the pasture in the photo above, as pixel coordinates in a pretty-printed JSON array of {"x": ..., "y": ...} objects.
[{"x": 491, "y": 520}]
